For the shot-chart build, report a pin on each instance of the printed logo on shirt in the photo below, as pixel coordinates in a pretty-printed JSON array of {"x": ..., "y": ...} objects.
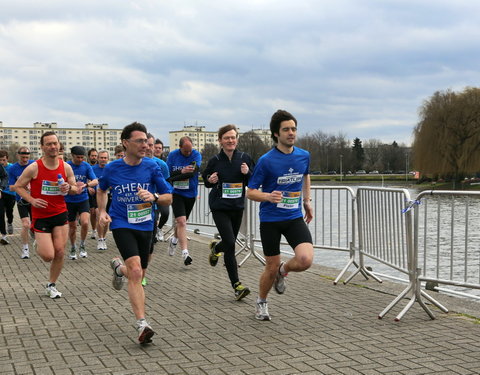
[{"x": 289, "y": 179}]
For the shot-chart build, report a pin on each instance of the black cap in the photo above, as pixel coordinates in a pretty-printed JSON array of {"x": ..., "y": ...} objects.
[{"x": 78, "y": 150}]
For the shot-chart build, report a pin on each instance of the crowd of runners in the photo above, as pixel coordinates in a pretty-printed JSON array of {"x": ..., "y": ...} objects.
[{"x": 130, "y": 197}]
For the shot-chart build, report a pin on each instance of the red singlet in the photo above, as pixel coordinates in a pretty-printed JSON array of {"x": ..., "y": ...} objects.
[{"x": 45, "y": 187}]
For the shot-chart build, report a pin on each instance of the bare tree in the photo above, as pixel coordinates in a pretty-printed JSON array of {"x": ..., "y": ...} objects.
[
  {"x": 252, "y": 144},
  {"x": 209, "y": 151}
]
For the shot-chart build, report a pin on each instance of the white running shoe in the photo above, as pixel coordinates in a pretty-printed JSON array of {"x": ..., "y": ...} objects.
[
  {"x": 145, "y": 332},
  {"x": 280, "y": 283},
  {"x": 93, "y": 236},
  {"x": 73, "y": 253},
  {"x": 52, "y": 292},
  {"x": 100, "y": 244},
  {"x": 25, "y": 254},
  {"x": 171, "y": 247},
  {"x": 261, "y": 312},
  {"x": 117, "y": 281},
  {"x": 159, "y": 235},
  {"x": 83, "y": 253}
]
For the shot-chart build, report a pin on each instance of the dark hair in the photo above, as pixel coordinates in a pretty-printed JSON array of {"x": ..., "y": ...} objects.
[
  {"x": 47, "y": 134},
  {"x": 78, "y": 150},
  {"x": 150, "y": 135},
  {"x": 158, "y": 142},
  {"x": 118, "y": 148},
  {"x": 92, "y": 150},
  {"x": 134, "y": 126},
  {"x": 61, "y": 148},
  {"x": 3, "y": 153},
  {"x": 183, "y": 139},
  {"x": 225, "y": 129},
  {"x": 277, "y": 118}
]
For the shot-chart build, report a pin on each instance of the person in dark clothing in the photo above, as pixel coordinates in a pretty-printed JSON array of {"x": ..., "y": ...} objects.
[{"x": 227, "y": 174}]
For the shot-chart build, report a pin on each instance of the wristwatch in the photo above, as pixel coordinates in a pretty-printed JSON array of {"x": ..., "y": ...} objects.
[{"x": 156, "y": 197}]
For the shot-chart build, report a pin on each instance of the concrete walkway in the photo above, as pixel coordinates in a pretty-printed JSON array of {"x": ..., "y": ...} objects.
[{"x": 316, "y": 327}]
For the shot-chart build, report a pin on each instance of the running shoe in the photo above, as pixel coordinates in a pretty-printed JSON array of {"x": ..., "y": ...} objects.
[
  {"x": 280, "y": 281},
  {"x": 159, "y": 235},
  {"x": 73, "y": 253},
  {"x": 4, "y": 240},
  {"x": 100, "y": 244},
  {"x": 145, "y": 332},
  {"x": 25, "y": 254},
  {"x": 144, "y": 281},
  {"x": 117, "y": 281},
  {"x": 213, "y": 255},
  {"x": 187, "y": 260},
  {"x": 52, "y": 292},
  {"x": 83, "y": 252},
  {"x": 10, "y": 228},
  {"x": 261, "y": 312},
  {"x": 240, "y": 291},
  {"x": 93, "y": 236},
  {"x": 171, "y": 247}
]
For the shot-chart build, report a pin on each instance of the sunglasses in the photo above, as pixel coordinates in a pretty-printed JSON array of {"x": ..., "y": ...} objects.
[{"x": 24, "y": 153}]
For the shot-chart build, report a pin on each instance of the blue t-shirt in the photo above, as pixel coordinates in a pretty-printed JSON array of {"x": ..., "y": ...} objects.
[
  {"x": 14, "y": 172},
  {"x": 127, "y": 210},
  {"x": 177, "y": 161},
  {"x": 83, "y": 173},
  {"x": 282, "y": 172},
  {"x": 163, "y": 167},
  {"x": 7, "y": 188}
]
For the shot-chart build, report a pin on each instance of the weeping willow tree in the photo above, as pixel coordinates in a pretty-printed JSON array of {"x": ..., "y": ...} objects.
[{"x": 447, "y": 137}]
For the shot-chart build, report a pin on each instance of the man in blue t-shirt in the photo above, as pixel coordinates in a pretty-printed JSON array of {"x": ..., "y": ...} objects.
[
  {"x": 77, "y": 204},
  {"x": 24, "y": 208},
  {"x": 101, "y": 231},
  {"x": 137, "y": 184},
  {"x": 283, "y": 175},
  {"x": 183, "y": 164}
]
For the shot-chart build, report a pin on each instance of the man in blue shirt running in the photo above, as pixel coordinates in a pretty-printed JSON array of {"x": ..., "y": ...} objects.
[
  {"x": 24, "y": 208},
  {"x": 183, "y": 165},
  {"x": 283, "y": 175},
  {"x": 137, "y": 184},
  {"x": 78, "y": 204}
]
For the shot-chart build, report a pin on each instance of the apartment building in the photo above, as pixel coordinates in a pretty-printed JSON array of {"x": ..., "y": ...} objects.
[
  {"x": 97, "y": 136},
  {"x": 200, "y": 136}
]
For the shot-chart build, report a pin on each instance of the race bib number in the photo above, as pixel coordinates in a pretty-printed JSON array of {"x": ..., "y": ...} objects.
[
  {"x": 139, "y": 213},
  {"x": 181, "y": 185},
  {"x": 290, "y": 200},
  {"x": 50, "y": 188},
  {"x": 232, "y": 190}
]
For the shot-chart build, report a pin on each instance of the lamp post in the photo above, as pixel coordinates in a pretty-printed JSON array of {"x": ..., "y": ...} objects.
[{"x": 341, "y": 170}]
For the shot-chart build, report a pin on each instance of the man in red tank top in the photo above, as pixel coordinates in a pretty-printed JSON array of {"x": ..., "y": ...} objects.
[{"x": 49, "y": 210}]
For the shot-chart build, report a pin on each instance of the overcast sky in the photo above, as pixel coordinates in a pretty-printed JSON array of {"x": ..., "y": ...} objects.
[{"x": 362, "y": 68}]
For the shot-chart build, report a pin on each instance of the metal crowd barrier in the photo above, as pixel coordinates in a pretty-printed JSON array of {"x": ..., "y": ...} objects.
[
  {"x": 384, "y": 225},
  {"x": 447, "y": 239}
]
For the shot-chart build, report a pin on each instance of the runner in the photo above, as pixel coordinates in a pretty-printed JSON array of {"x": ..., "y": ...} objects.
[
  {"x": 49, "y": 210},
  {"x": 92, "y": 159},
  {"x": 78, "y": 205},
  {"x": 7, "y": 199},
  {"x": 227, "y": 174},
  {"x": 283, "y": 175},
  {"x": 159, "y": 210},
  {"x": 23, "y": 207},
  {"x": 183, "y": 165},
  {"x": 98, "y": 169},
  {"x": 132, "y": 180}
]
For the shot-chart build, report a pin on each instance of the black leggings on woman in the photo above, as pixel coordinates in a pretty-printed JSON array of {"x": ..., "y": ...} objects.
[{"x": 228, "y": 224}]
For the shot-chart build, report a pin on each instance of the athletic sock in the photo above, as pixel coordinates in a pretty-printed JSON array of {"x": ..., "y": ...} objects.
[
  {"x": 282, "y": 270},
  {"x": 259, "y": 300}
]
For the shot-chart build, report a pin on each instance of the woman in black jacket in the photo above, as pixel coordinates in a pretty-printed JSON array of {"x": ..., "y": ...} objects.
[{"x": 227, "y": 173}]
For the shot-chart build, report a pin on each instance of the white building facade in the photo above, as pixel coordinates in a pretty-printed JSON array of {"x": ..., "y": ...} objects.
[{"x": 97, "y": 136}]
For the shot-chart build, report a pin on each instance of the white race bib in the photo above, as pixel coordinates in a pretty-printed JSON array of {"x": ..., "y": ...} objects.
[
  {"x": 50, "y": 188},
  {"x": 232, "y": 190},
  {"x": 290, "y": 200},
  {"x": 181, "y": 185},
  {"x": 139, "y": 213}
]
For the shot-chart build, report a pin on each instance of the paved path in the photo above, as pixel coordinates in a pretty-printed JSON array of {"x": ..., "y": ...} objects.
[{"x": 316, "y": 327}]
